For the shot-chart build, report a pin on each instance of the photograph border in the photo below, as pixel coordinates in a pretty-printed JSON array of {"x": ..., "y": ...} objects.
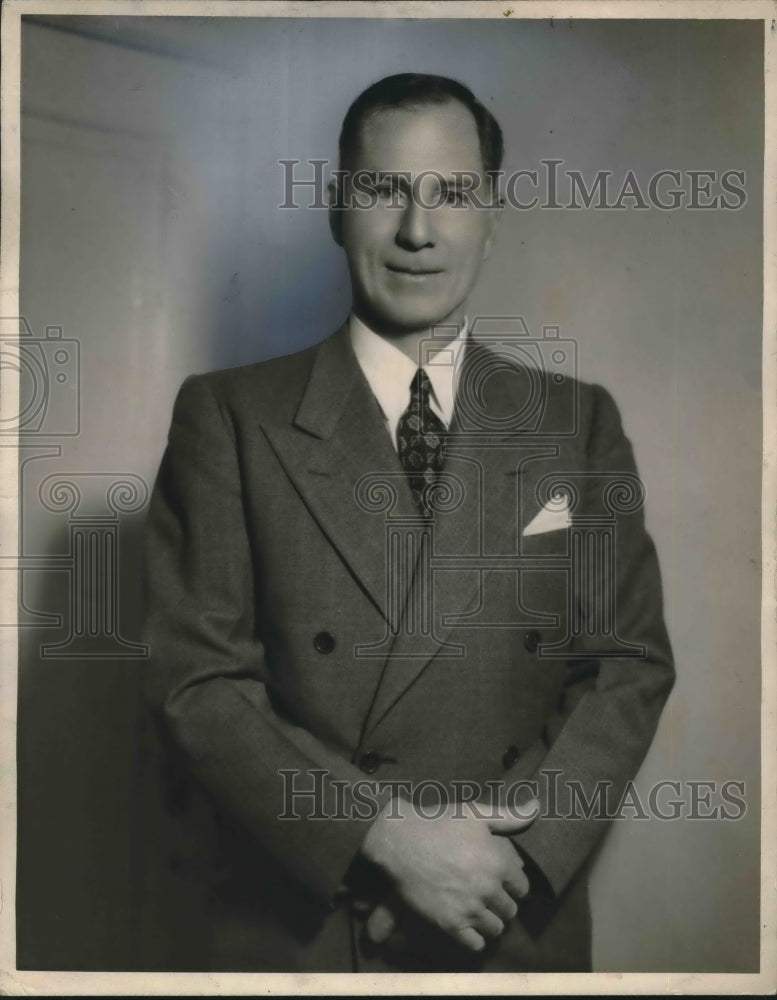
[{"x": 14, "y": 982}]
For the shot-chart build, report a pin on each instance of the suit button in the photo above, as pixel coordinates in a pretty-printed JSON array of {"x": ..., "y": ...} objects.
[
  {"x": 510, "y": 756},
  {"x": 369, "y": 763},
  {"x": 324, "y": 642},
  {"x": 532, "y": 640}
]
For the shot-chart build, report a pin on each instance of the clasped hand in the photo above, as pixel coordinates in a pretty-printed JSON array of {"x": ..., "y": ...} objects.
[{"x": 458, "y": 871}]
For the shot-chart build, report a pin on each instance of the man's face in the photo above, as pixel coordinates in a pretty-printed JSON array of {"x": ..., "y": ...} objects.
[{"x": 415, "y": 254}]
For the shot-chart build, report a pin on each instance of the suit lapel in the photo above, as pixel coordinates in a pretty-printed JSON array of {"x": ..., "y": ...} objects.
[{"x": 341, "y": 460}]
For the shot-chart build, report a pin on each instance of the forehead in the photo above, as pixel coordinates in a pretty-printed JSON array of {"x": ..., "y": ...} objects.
[{"x": 441, "y": 137}]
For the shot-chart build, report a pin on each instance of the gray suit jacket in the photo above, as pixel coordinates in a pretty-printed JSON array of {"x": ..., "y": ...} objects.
[{"x": 283, "y": 640}]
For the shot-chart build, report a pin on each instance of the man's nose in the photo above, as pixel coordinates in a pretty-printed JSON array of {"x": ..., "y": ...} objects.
[{"x": 416, "y": 227}]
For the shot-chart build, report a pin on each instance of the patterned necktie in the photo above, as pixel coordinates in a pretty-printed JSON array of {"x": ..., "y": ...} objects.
[{"x": 420, "y": 440}]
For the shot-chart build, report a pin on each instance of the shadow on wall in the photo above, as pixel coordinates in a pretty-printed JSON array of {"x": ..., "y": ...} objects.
[{"x": 98, "y": 883}]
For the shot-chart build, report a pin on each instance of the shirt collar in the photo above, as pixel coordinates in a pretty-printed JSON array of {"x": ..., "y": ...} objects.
[{"x": 389, "y": 372}]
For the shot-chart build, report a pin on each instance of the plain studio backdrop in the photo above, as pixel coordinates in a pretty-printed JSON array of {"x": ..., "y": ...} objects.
[{"x": 151, "y": 235}]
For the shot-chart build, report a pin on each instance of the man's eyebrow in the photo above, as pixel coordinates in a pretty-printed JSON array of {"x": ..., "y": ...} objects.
[
  {"x": 458, "y": 180},
  {"x": 462, "y": 179},
  {"x": 395, "y": 176}
]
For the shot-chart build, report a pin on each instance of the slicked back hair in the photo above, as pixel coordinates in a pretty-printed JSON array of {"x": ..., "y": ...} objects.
[{"x": 415, "y": 90}]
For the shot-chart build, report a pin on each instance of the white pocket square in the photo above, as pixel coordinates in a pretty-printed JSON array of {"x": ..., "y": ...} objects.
[{"x": 552, "y": 517}]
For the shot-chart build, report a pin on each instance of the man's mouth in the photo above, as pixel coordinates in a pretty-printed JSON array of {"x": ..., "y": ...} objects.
[{"x": 413, "y": 272}]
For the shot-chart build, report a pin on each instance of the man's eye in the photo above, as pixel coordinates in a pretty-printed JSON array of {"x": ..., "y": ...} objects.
[
  {"x": 455, "y": 197},
  {"x": 388, "y": 191}
]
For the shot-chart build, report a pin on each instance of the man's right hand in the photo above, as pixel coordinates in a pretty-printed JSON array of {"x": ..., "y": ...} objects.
[{"x": 458, "y": 871}]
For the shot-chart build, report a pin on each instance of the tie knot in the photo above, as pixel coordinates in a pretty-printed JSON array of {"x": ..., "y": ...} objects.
[{"x": 420, "y": 387}]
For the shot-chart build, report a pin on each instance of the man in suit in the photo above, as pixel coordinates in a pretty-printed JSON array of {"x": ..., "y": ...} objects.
[{"x": 396, "y": 581}]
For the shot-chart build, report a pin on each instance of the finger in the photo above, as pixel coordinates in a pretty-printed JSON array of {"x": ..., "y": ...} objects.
[
  {"x": 470, "y": 939},
  {"x": 513, "y": 876},
  {"x": 380, "y": 924},
  {"x": 502, "y": 904},
  {"x": 515, "y": 819},
  {"x": 488, "y": 924},
  {"x": 516, "y": 884}
]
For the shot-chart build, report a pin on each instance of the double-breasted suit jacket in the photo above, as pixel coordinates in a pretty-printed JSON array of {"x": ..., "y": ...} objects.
[{"x": 310, "y": 630}]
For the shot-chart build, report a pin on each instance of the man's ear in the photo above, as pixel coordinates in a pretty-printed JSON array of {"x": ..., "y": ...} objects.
[
  {"x": 336, "y": 210},
  {"x": 495, "y": 213}
]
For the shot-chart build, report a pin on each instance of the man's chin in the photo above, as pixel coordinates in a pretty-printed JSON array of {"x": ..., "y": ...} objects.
[{"x": 400, "y": 323}]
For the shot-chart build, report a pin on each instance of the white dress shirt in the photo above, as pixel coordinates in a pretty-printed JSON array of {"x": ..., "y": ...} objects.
[{"x": 389, "y": 373}]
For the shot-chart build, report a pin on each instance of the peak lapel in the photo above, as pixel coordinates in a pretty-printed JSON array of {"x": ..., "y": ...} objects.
[{"x": 338, "y": 454}]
